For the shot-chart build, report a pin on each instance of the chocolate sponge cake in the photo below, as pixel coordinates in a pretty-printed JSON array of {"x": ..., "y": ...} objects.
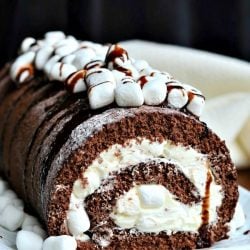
[{"x": 111, "y": 151}]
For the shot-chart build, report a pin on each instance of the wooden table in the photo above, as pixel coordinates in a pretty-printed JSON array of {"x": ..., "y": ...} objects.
[{"x": 244, "y": 178}]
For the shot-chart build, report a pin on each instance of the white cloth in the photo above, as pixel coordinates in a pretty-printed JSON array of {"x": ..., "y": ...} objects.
[{"x": 223, "y": 80}]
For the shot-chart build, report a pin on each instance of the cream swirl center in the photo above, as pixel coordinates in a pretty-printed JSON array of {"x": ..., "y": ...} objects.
[{"x": 194, "y": 165}]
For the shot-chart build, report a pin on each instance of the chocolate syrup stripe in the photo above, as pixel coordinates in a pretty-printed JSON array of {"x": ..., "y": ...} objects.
[
  {"x": 206, "y": 200},
  {"x": 72, "y": 80},
  {"x": 25, "y": 132},
  {"x": 165, "y": 174},
  {"x": 53, "y": 117},
  {"x": 36, "y": 94}
]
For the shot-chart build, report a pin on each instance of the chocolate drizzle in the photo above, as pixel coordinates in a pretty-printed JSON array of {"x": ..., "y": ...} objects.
[
  {"x": 29, "y": 68},
  {"x": 94, "y": 64},
  {"x": 72, "y": 80},
  {"x": 115, "y": 52},
  {"x": 142, "y": 80},
  {"x": 60, "y": 69},
  {"x": 246, "y": 232},
  {"x": 206, "y": 201}
]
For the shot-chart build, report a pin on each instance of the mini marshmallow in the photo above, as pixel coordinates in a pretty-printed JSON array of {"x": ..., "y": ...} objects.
[
  {"x": 101, "y": 85},
  {"x": 177, "y": 96},
  {"x": 82, "y": 57},
  {"x": 26, "y": 240},
  {"x": 49, "y": 64},
  {"x": 154, "y": 92},
  {"x": 42, "y": 56},
  {"x": 115, "y": 52},
  {"x": 146, "y": 71},
  {"x": 9, "y": 193},
  {"x": 66, "y": 46},
  {"x": 191, "y": 89},
  {"x": 68, "y": 59},
  {"x": 196, "y": 104},
  {"x": 21, "y": 62},
  {"x": 117, "y": 58},
  {"x": 4, "y": 202},
  {"x": 18, "y": 203},
  {"x": 53, "y": 37},
  {"x": 63, "y": 242},
  {"x": 118, "y": 75},
  {"x": 37, "y": 230},
  {"x": 82, "y": 237},
  {"x": 3, "y": 187},
  {"x": 151, "y": 196},
  {"x": 27, "y": 43},
  {"x": 129, "y": 94},
  {"x": 78, "y": 221},
  {"x": 164, "y": 76},
  {"x": 29, "y": 221},
  {"x": 94, "y": 64},
  {"x": 75, "y": 83},
  {"x": 61, "y": 71},
  {"x": 140, "y": 65},
  {"x": 11, "y": 218}
]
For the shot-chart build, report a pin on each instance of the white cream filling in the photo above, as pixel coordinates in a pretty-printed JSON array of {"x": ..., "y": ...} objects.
[
  {"x": 193, "y": 164},
  {"x": 152, "y": 208}
]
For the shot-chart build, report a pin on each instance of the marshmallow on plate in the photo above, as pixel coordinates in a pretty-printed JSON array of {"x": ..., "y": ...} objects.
[
  {"x": 63, "y": 242},
  {"x": 11, "y": 217},
  {"x": 29, "y": 221},
  {"x": 101, "y": 85},
  {"x": 128, "y": 93},
  {"x": 27, "y": 240},
  {"x": 4, "y": 202},
  {"x": 3, "y": 186}
]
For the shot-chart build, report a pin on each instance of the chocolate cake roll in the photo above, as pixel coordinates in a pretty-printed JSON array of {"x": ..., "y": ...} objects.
[{"x": 111, "y": 151}]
